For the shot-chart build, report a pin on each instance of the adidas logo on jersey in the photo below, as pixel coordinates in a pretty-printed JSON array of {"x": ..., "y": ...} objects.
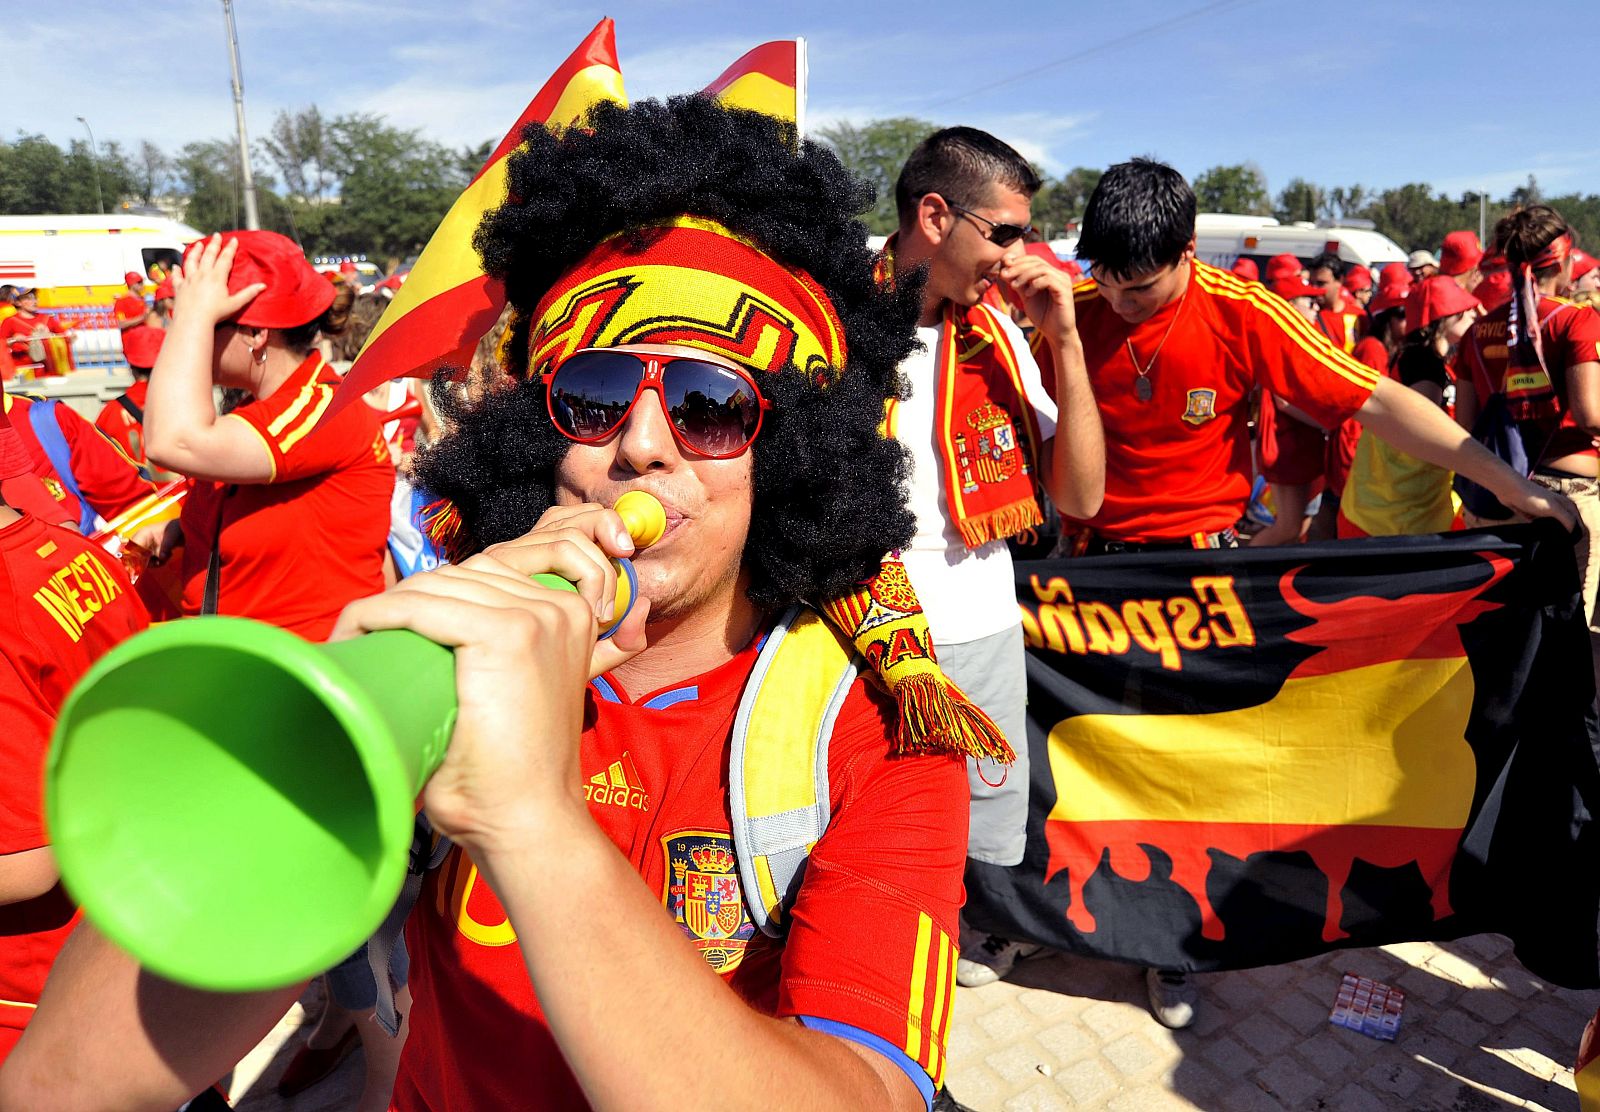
[{"x": 618, "y": 786}]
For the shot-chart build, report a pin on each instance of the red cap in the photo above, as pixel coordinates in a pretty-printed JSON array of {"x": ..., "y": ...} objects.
[
  {"x": 1295, "y": 286},
  {"x": 295, "y": 294},
  {"x": 1246, "y": 269},
  {"x": 164, "y": 289},
  {"x": 1394, "y": 282},
  {"x": 1358, "y": 278},
  {"x": 1460, "y": 253},
  {"x": 1283, "y": 266},
  {"x": 133, "y": 278},
  {"x": 1582, "y": 263},
  {"x": 348, "y": 267},
  {"x": 1495, "y": 290},
  {"x": 1435, "y": 298},
  {"x": 141, "y": 344}
]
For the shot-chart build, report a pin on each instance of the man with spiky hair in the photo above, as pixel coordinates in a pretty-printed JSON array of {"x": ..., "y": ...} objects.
[
  {"x": 696, "y": 317},
  {"x": 1175, "y": 348}
]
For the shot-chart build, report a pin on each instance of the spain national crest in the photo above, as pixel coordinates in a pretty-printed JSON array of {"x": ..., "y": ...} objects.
[
  {"x": 703, "y": 895},
  {"x": 1202, "y": 406}
]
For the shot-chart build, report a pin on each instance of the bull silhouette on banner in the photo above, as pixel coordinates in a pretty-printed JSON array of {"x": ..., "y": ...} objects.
[{"x": 1247, "y": 757}]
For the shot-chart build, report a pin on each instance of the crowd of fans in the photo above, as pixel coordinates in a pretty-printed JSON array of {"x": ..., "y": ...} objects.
[{"x": 1161, "y": 403}]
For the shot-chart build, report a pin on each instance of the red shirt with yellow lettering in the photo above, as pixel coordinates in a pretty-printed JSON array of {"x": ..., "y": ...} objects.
[
  {"x": 63, "y": 602},
  {"x": 299, "y": 547},
  {"x": 1179, "y": 463},
  {"x": 1570, "y": 335},
  {"x": 870, "y": 955}
]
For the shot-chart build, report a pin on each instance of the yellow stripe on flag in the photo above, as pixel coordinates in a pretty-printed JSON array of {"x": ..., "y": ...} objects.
[{"x": 760, "y": 93}]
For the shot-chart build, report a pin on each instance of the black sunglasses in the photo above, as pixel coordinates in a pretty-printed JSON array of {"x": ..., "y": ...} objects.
[{"x": 1001, "y": 235}]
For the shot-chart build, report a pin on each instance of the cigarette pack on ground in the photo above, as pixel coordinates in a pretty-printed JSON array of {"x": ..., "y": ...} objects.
[{"x": 1369, "y": 1007}]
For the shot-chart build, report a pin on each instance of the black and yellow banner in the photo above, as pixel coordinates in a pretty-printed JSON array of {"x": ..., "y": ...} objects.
[{"x": 1246, "y": 757}]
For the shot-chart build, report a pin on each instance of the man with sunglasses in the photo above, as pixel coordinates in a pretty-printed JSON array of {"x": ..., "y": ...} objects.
[
  {"x": 595, "y": 939},
  {"x": 982, "y": 430},
  {"x": 1175, "y": 348}
]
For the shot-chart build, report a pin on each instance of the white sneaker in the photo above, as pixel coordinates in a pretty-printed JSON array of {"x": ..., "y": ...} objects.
[
  {"x": 991, "y": 959},
  {"x": 1172, "y": 997}
]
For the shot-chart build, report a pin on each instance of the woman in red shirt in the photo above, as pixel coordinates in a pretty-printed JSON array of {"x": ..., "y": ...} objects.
[
  {"x": 1541, "y": 354},
  {"x": 289, "y": 514}
]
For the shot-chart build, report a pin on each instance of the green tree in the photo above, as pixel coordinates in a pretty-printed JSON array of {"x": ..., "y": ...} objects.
[
  {"x": 301, "y": 147},
  {"x": 1240, "y": 189},
  {"x": 1060, "y": 203},
  {"x": 151, "y": 171},
  {"x": 208, "y": 180},
  {"x": 1300, "y": 200},
  {"x": 876, "y": 151},
  {"x": 395, "y": 188},
  {"x": 33, "y": 176}
]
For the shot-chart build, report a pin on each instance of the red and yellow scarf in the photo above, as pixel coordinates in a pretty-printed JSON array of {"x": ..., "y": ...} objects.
[{"x": 984, "y": 426}]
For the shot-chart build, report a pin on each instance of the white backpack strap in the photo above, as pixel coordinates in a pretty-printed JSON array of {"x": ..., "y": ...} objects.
[{"x": 778, "y": 762}]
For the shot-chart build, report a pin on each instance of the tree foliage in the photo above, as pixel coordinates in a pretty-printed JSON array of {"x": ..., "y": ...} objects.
[
  {"x": 1239, "y": 189},
  {"x": 355, "y": 184}
]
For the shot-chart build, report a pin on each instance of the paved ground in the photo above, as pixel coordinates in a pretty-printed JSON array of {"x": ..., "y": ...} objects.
[{"x": 1479, "y": 1035}]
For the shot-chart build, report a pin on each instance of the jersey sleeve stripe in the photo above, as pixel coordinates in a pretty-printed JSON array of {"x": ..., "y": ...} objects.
[
  {"x": 919, "y": 988},
  {"x": 935, "y": 1027},
  {"x": 296, "y": 407},
  {"x": 324, "y": 397},
  {"x": 272, "y": 456},
  {"x": 1312, "y": 342}
]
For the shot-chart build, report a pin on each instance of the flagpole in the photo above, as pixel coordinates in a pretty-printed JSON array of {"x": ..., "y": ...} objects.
[
  {"x": 801, "y": 77},
  {"x": 252, "y": 218}
]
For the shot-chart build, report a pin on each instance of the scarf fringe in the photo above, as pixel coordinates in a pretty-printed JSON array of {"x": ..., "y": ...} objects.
[
  {"x": 1007, "y": 521},
  {"x": 935, "y": 717},
  {"x": 441, "y": 521}
]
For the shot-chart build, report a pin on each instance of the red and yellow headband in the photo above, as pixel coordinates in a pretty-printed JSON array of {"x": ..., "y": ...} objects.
[
  {"x": 1554, "y": 254},
  {"x": 691, "y": 282}
]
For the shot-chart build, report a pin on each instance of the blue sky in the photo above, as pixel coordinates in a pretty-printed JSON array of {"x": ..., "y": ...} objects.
[{"x": 1372, "y": 91}]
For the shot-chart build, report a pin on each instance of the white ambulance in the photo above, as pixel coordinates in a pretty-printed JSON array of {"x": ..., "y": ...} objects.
[
  {"x": 77, "y": 264},
  {"x": 1222, "y": 238}
]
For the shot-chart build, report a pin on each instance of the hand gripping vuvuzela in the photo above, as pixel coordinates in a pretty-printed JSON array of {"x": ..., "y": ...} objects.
[{"x": 233, "y": 805}]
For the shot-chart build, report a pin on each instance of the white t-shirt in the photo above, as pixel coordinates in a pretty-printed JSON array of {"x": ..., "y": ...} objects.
[{"x": 966, "y": 593}]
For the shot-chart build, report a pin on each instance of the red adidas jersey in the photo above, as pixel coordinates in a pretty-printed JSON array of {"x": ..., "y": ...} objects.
[
  {"x": 108, "y": 480},
  {"x": 1343, "y": 329},
  {"x": 1370, "y": 350},
  {"x": 876, "y": 912},
  {"x": 63, "y": 602},
  {"x": 1179, "y": 463},
  {"x": 300, "y": 547},
  {"x": 1571, "y": 335},
  {"x": 120, "y": 426}
]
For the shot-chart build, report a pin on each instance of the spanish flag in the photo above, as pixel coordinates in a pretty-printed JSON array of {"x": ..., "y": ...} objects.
[
  {"x": 1248, "y": 757},
  {"x": 448, "y": 303},
  {"x": 771, "y": 79}
]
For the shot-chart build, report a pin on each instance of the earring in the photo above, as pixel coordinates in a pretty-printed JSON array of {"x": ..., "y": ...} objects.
[{"x": 260, "y": 354}]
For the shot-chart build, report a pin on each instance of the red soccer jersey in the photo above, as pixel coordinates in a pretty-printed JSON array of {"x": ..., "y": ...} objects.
[
  {"x": 1179, "y": 463},
  {"x": 299, "y": 547},
  {"x": 1370, "y": 350},
  {"x": 63, "y": 602},
  {"x": 108, "y": 480},
  {"x": 16, "y": 331},
  {"x": 1571, "y": 335},
  {"x": 871, "y": 948},
  {"x": 1343, "y": 328},
  {"x": 120, "y": 426},
  {"x": 130, "y": 306}
]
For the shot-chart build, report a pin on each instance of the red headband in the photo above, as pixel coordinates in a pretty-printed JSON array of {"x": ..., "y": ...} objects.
[{"x": 1554, "y": 253}]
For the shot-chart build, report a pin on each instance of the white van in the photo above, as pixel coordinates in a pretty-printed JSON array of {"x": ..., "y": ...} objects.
[
  {"x": 1221, "y": 238},
  {"x": 77, "y": 264}
]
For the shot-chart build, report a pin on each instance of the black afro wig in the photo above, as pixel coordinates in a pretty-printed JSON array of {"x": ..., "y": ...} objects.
[{"x": 829, "y": 490}]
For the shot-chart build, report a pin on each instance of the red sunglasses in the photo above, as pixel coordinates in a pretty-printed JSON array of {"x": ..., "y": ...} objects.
[{"x": 715, "y": 411}]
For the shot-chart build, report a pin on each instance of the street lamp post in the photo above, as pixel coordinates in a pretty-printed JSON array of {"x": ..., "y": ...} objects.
[
  {"x": 94, "y": 162},
  {"x": 246, "y": 179}
]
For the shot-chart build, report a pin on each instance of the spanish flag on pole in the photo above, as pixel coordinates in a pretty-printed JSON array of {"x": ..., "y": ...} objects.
[
  {"x": 448, "y": 303},
  {"x": 771, "y": 79}
]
